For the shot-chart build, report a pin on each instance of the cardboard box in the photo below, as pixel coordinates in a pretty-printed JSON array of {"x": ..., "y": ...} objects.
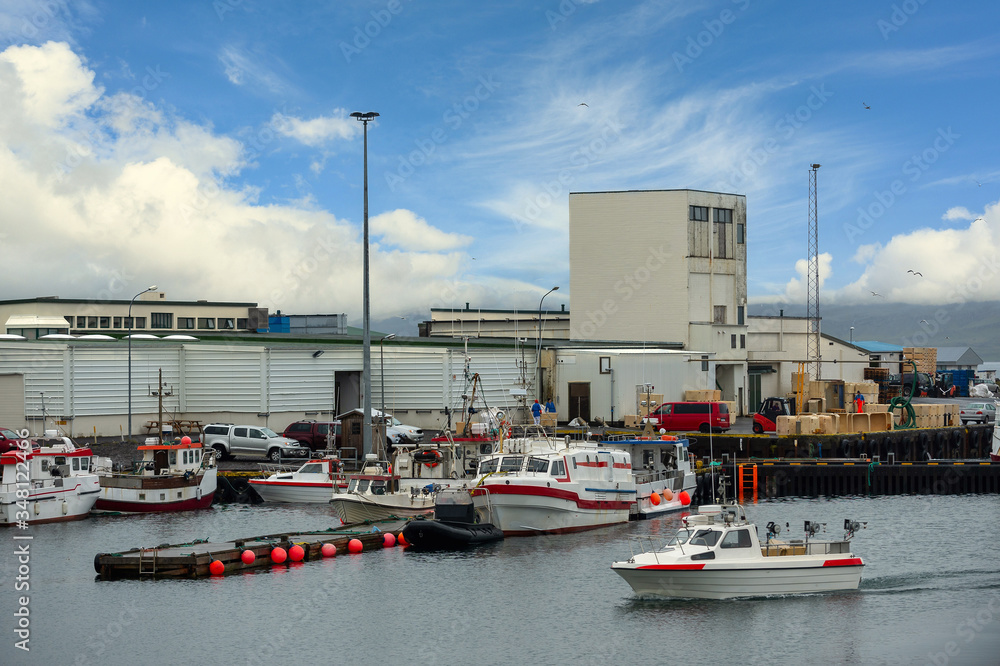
[{"x": 548, "y": 420}]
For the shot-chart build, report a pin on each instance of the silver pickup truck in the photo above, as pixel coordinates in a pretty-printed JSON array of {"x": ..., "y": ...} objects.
[{"x": 230, "y": 440}]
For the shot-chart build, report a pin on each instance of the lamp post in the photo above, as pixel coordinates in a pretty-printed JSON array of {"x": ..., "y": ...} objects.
[
  {"x": 147, "y": 289},
  {"x": 538, "y": 350},
  {"x": 381, "y": 368},
  {"x": 366, "y": 433}
]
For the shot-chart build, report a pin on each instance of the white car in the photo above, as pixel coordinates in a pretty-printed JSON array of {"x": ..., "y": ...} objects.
[{"x": 397, "y": 432}]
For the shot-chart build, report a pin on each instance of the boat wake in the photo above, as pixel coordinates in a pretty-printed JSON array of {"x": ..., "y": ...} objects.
[{"x": 921, "y": 582}]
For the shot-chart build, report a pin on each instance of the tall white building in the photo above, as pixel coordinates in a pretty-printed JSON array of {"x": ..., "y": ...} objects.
[{"x": 665, "y": 266}]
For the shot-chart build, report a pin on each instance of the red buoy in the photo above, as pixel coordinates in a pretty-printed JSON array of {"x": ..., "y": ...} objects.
[
  {"x": 185, "y": 440},
  {"x": 248, "y": 557},
  {"x": 654, "y": 498},
  {"x": 328, "y": 550},
  {"x": 401, "y": 540},
  {"x": 278, "y": 555},
  {"x": 217, "y": 568},
  {"x": 388, "y": 541},
  {"x": 296, "y": 553},
  {"x": 684, "y": 498},
  {"x": 355, "y": 546}
]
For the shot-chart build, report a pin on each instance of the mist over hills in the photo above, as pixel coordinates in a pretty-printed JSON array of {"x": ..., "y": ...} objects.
[{"x": 975, "y": 325}]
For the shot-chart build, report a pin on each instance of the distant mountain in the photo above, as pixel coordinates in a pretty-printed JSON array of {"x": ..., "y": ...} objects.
[{"x": 975, "y": 325}]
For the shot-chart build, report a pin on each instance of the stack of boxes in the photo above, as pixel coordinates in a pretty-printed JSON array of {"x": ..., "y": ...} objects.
[{"x": 925, "y": 358}]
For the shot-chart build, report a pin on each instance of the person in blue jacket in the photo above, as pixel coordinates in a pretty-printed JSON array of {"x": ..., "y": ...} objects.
[
  {"x": 550, "y": 407},
  {"x": 536, "y": 412}
]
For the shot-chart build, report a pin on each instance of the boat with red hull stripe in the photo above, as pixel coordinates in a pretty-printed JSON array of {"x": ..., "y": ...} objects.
[{"x": 47, "y": 481}]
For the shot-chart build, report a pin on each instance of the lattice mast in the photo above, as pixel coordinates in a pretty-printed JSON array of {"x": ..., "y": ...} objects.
[{"x": 814, "y": 351}]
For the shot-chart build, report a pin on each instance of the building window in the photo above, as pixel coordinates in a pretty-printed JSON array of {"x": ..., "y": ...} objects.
[
  {"x": 743, "y": 342},
  {"x": 118, "y": 322},
  {"x": 740, "y": 233},
  {"x": 719, "y": 314},
  {"x": 243, "y": 323},
  {"x": 732, "y": 341},
  {"x": 699, "y": 213},
  {"x": 722, "y": 215},
  {"x": 91, "y": 322},
  {"x": 185, "y": 322},
  {"x": 721, "y": 218},
  {"x": 81, "y": 322},
  {"x": 161, "y": 320},
  {"x": 206, "y": 323},
  {"x": 140, "y": 322},
  {"x": 70, "y": 319},
  {"x": 739, "y": 315},
  {"x": 105, "y": 322},
  {"x": 227, "y": 323}
]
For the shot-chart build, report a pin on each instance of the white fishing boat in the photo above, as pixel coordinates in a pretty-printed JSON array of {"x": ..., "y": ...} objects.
[
  {"x": 542, "y": 485},
  {"x": 661, "y": 467},
  {"x": 172, "y": 476},
  {"x": 47, "y": 483},
  {"x": 717, "y": 555},
  {"x": 313, "y": 482}
]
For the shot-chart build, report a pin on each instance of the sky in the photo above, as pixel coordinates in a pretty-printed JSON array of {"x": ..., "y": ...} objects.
[{"x": 207, "y": 146}]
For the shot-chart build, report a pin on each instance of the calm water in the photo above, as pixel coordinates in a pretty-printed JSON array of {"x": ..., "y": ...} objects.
[{"x": 931, "y": 587}]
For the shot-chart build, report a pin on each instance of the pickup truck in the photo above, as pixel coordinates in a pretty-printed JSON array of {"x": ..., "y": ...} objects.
[{"x": 253, "y": 441}]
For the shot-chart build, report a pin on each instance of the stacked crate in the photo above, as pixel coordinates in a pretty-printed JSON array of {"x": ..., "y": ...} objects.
[
  {"x": 925, "y": 358},
  {"x": 702, "y": 395}
]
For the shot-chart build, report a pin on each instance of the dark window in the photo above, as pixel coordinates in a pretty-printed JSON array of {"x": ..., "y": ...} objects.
[
  {"x": 299, "y": 427},
  {"x": 161, "y": 320},
  {"x": 558, "y": 468},
  {"x": 239, "y": 432},
  {"x": 699, "y": 213},
  {"x": 323, "y": 429},
  {"x": 242, "y": 323},
  {"x": 732, "y": 341},
  {"x": 356, "y": 427},
  {"x": 721, "y": 218},
  {"x": 740, "y": 233},
  {"x": 740, "y": 310},
  {"x": 743, "y": 342},
  {"x": 105, "y": 322},
  {"x": 719, "y": 314},
  {"x": 81, "y": 322},
  {"x": 227, "y": 323},
  {"x": 722, "y": 215},
  {"x": 737, "y": 539},
  {"x": 118, "y": 322},
  {"x": 538, "y": 465},
  {"x": 704, "y": 538},
  {"x": 185, "y": 322},
  {"x": 206, "y": 322},
  {"x": 691, "y": 408},
  {"x": 91, "y": 322}
]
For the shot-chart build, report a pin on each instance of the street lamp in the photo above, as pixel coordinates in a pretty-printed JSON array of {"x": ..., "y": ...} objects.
[
  {"x": 147, "y": 289},
  {"x": 538, "y": 350},
  {"x": 366, "y": 434},
  {"x": 381, "y": 368}
]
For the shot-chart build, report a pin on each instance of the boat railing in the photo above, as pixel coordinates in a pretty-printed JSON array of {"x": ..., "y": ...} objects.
[
  {"x": 267, "y": 469},
  {"x": 777, "y": 547},
  {"x": 646, "y": 543}
]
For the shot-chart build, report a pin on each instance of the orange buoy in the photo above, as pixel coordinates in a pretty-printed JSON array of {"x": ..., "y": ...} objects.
[
  {"x": 185, "y": 440},
  {"x": 217, "y": 568},
  {"x": 389, "y": 540},
  {"x": 248, "y": 557},
  {"x": 278, "y": 555},
  {"x": 296, "y": 553},
  {"x": 355, "y": 546},
  {"x": 328, "y": 550},
  {"x": 654, "y": 498},
  {"x": 401, "y": 540},
  {"x": 684, "y": 498},
  {"x": 668, "y": 494}
]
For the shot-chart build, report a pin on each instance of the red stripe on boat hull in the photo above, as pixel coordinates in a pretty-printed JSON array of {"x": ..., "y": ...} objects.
[{"x": 119, "y": 506}]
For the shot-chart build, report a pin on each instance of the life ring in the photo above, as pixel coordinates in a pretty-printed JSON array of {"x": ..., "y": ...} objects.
[{"x": 429, "y": 457}]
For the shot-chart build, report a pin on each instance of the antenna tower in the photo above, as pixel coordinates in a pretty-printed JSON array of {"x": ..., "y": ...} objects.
[{"x": 812, "y": 298}]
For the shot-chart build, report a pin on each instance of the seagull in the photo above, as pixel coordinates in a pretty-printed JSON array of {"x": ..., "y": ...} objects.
[
  {"x": 584, "y": 104},
  {"x": 866, "y": 106},
  {"x": 924, "y": 321},
  {"x": 915, "y": 272},
  {"x": 875, "y": 293},
  {"x": 978, "y": 183}
]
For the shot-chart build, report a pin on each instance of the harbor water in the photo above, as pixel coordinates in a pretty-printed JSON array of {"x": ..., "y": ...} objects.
[{"x": 930, "y": 594}]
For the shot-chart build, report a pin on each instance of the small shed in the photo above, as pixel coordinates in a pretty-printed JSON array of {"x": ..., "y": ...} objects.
[{"x": 351, "y": 433}]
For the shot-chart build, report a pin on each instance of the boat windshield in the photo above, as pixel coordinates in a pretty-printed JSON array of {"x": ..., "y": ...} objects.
[
  {"x": 705, "y": 538},
  {"x": 511, "y": 463},
  {"x": 358, "y": 485},
  {"x": 680, "y": 538},
  {"x": 488, "y": 466},
  {"x": 312, "y": 468},
  {"x": 538, "y": 465}
]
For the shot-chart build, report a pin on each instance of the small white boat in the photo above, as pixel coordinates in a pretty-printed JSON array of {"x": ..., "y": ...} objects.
[
  {"x": 313, "y": 482},
  {"x": 550, "y": 486},
  {"x": 179, "y": 476},
  {"x": 661, "y": 467},
  {"x": 717, "y": 555},
  {"x": 50, "y": 483}
]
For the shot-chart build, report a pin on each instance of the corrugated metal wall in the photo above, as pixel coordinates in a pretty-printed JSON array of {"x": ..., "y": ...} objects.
[{"x": 12, "y": 401}]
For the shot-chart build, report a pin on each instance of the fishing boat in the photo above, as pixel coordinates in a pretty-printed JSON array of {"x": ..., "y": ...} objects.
[
  {"x": 543, "y": 485},
  {"x": 377, "y": 492},
  {"x": 313, "y": 482},
  {"x": 171, "y": 476},
  {"x": 661, "y": 467},
  {"x": 717, "y": 555},
  {"x": 457, "y": 523},
  {"x": 50, "y": 482}
]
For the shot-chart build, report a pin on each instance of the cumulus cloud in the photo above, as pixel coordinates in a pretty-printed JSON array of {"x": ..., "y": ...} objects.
[
  {"x": 403, "y": 229},
  {"x": 111, "y": 193},
  {"x": 317, "y": 131},
  {"x": 958, "y": 213}
]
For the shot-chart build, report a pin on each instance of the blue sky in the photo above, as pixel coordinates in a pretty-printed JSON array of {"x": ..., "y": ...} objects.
[{"x": 206, "y": 147}]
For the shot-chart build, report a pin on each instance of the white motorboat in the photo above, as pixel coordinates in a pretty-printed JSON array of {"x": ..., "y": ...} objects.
[
  {"x": 48, "y": 483},
  {"x": 172, "y": 476},
  {"x": 549, "y": 486},
  {"x": 313, "y": 482},
  {"x": 661, "y": 467},
  {"x": 717, "y": 555}
]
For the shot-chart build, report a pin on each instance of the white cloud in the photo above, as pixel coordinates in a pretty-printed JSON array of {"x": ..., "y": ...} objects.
[
  {"x": 317, "y": 131},
  {"x": 53, "y": 85},
  {"x": 403, "y": 229},
  {"x": 958, "y": 213}
]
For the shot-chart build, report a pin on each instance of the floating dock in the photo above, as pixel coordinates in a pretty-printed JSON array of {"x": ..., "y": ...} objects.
[{"x": 195, "y": 559}]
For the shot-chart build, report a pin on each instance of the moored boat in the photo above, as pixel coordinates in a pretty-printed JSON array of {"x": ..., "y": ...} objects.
[
  {"x": 661, "y": 467},
  {"x": 717, "y": 555},
  {"x": 174, "y": 476},
  {"x": 48, "y": 483},
  {"x": 457, "y": 524},
  {"x": 313, "y": 482}
]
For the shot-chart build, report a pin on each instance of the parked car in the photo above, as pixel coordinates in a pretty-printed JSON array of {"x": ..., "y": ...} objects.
[
  {"x": 317, "y": 435},
  {"x": 397, "y": 432},
  {"x": 252, "y": 441},
  {"x": 978, "y": 412},
  {"x": 8, "y": 440},
  {"x": 691, "y": 416}
]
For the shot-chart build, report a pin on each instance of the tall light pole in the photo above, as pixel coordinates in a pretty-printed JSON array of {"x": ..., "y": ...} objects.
[
  {"x": 538, "y": 350},
  {"x": 381, "y": 368},
  {"x": 147, "y": 289},
  {"x": 366, "y": 433}
]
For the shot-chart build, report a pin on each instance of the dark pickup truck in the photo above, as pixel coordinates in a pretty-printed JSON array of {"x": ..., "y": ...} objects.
[{"x": 317, "y": 435}]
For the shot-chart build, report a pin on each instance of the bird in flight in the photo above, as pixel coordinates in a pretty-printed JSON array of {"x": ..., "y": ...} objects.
[
  {"x": 875, "y": 293},
  {"x": 584, "y": 104},
  {"x": 924, "y": 321},
  {"x": 866, "y": 106},
  {"x": 915, "y": 272},
  {"x": 978, "y": 183}
]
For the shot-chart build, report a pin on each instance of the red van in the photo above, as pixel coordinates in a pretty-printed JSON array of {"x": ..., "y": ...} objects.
[{"x": 691, "y": 416}]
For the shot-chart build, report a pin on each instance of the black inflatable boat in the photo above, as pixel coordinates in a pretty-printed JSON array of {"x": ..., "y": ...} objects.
[{"x": 454, "y": 526}]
